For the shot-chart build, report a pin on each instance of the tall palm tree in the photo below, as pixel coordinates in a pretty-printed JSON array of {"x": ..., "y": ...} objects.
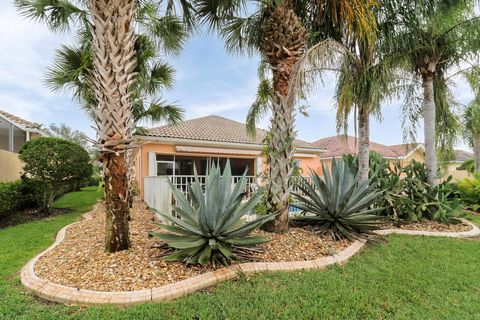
[
  {"x": 344, "y": 38},
  {"x": 274, "y": 31},
  {"x": 471, "y": 117},
  {"x": 434, "y": 37},
  {"x": 114, "y": 61},
  {"x": 74, "y": 64},
  {"x": 111, "y": 27}
]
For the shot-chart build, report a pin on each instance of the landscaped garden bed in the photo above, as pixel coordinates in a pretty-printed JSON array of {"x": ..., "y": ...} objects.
[
  {"x": 430, "y": 225},
  {"x": 80, "y": 260}
]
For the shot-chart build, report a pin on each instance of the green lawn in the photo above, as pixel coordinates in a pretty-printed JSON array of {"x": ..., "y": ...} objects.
[{"x": 401, "y": 277}]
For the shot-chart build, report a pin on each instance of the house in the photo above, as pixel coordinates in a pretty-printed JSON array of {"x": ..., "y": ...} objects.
[
  {"x": 340, "y": 145},
  {"x": 453, "y": 167},
  {"x": 174, "y": 151},
  {"x": 14, "y": 132}
]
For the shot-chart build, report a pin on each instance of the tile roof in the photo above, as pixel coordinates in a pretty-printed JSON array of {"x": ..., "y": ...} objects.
[
  {"x": 461, "y": 156},
  {"x": 404, "y": 149},
  {"x": 340, "y": 145},
  {"x": 215, "y": 128},
  {"x": 19, "y": 121}
]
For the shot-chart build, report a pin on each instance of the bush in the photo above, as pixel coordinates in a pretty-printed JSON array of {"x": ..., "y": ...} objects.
[
  {"x": 19, "y": 195},
  {"x": 209, "y": 226},
  {"x": 10, "y": 197},
  {"x": 338, "y": 203},
  {"x": 408, "y": 197},
  {"x": 32, "y": 193},
  {"x": 57, "y": 164},
  {"x": 469, "y": 190}
]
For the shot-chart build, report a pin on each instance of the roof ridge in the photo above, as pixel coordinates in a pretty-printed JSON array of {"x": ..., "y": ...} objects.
[{"x": 18, "y": 120}]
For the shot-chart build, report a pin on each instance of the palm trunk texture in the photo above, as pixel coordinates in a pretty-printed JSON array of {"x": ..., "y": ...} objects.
[
  {"x": 364, "y": 144},
  {"x": 283, "y": 44},
  {"x": 429, "y": 129},
  {"x": 476, "y": 153},
  {"x": 114, "y": 61}
]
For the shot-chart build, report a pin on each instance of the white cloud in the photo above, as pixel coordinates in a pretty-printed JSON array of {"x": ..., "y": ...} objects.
[{"x": 26, "y": 49}]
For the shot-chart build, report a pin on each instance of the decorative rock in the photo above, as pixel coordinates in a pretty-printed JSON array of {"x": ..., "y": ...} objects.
[{"x": 69, "y": 295}]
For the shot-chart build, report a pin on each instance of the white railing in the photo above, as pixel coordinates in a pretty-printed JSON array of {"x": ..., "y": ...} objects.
[
  {"x": 183, "y": 183},
  {"x": 158, "y": 195}
]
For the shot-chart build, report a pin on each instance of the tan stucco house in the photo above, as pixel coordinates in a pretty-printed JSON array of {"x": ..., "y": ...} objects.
[
  {"x": 14, "y": 132},
  {"x": 453, "y": 167},
  {"x": 337, "y": 146},
  {"x": 173, "y": 152}
]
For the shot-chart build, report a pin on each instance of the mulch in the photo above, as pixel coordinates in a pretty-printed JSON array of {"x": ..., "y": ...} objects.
[
  {"x": 80, "y": 260},
  {"x": 429, "y": 225}
]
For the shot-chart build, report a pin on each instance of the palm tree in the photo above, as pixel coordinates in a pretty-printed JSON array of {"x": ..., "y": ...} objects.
[
  {"x": 110, "y": 25},
  {"x": 74, "y": 64},
  {"x": 434, "y": 37},
  {"x": 471, "y": 117},
  {"x": 274, "y": 31},
  {"x": 344, "y": 38}
]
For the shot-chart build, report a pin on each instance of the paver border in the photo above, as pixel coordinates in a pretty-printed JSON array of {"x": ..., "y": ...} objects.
[{"x": 69, "y": 295}]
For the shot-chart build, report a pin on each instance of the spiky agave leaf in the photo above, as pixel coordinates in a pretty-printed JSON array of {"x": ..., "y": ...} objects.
[
  {"x": 208, "y": 225},
  {"x": 338, "y": 203}
]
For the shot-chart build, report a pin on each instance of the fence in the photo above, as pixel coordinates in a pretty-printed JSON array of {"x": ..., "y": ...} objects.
[{"x": 158, "y": 195}]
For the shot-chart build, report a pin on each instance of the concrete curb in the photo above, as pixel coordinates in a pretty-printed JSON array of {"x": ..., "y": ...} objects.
[
  {"x": 464, "y": 234},
  {"x": 69, "y": 295}
]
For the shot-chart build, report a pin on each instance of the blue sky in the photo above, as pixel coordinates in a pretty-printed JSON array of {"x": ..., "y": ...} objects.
[{"x": 208, "y": 81}]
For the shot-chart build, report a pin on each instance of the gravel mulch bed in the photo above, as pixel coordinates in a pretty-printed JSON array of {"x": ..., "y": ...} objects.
[
  {"x": 428, "y": 225},
  {"x": 80, "y": 261}
]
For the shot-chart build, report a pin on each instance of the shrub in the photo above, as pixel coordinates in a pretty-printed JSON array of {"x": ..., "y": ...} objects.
[
  {"x": 32, "y": 193},
  {"x": 408, "y": 196},
  {"x": 9, "y": 197},
  {"x": 469, "y": 190},
  {"x": 56, "y": 164},
  {"x": 338, "y": 203},
  {"x": 18, "y": 195},
  {"x": 209, "y": 226}
]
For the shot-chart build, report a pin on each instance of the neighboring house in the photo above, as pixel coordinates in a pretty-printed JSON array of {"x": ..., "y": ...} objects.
[
  {"x": 14, "y": 132},
  {"x": 174, "y": 151},
  {"x": 340, "y": 145},
  {"x": 452, "y": 168}
]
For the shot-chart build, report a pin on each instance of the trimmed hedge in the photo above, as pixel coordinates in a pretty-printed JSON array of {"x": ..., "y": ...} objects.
[
  {"x": 23, "y": 194},
  {"x": 10, "y": 196}
]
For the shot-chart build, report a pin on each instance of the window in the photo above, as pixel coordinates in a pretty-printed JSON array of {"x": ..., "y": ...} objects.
[
  {"x": 165, "y": 168},
  {"x": 297, "y": 167},
  {"x": 184, "y": 166}
]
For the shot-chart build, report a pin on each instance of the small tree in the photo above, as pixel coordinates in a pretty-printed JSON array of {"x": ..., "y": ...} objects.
[{"x": 55, "y": 162}]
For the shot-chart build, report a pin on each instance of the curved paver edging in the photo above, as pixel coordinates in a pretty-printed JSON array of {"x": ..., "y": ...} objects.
[
  {"x": 69, "y": 295},
  {"x": 463, "y": 234}
]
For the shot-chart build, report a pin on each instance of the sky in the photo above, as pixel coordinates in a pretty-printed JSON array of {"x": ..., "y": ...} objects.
[{"x": 208, "y": 81}]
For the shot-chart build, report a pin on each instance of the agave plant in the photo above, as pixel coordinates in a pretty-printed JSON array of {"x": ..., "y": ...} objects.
[
  {"x": 208, "y": 226},
  {"x": 338, "y": 203}
]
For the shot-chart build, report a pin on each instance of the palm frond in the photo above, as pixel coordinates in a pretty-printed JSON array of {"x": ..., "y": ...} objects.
[{"x": 58, "y": 15}]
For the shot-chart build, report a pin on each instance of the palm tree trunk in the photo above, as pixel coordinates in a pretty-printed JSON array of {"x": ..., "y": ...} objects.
[
  {"x": 131, "y": 177},
  {"x": 114, "y": 61},
  {"x": 283, "y": 43},
  {"x": 364, "y": 144},
  {"x": 280, "y": 155},
  {"x": 476, "y": 152},
  {"x": 116, "y": 191},
  {"x": 429, "y": 129}
]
